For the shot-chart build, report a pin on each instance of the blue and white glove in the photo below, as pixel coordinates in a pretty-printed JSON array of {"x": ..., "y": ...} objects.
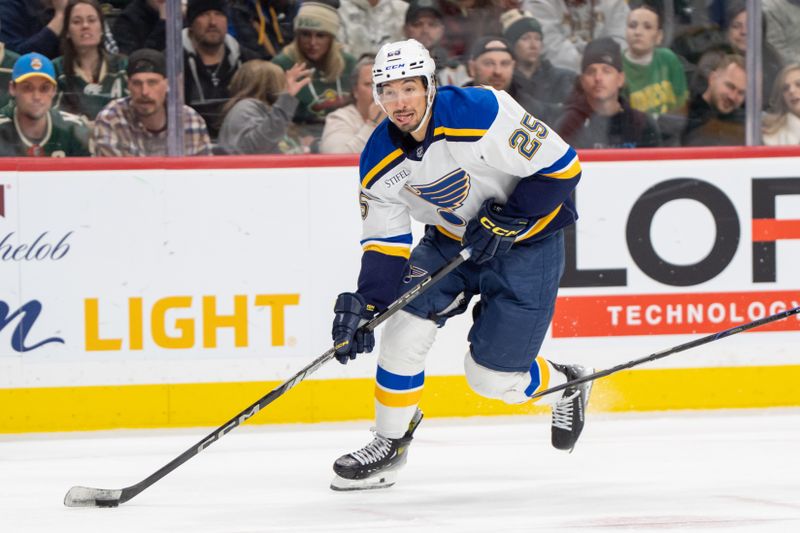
[
  {"x": 348, "y": 340},
  {"x": 491, "y": 233}
]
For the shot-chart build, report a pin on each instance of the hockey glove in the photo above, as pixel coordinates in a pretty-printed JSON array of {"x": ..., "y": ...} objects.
[
  {"x": 348, "y": 339},
  {"x": 491, "y": 233}
]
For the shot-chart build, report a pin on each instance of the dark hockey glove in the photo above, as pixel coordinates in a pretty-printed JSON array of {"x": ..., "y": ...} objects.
[
  {"x": 491, "y": 233},
  {"x": 348, "y": 340}
]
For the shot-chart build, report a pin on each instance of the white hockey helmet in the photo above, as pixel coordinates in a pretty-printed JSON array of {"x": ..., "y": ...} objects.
[{"x": 400, "y": 60}]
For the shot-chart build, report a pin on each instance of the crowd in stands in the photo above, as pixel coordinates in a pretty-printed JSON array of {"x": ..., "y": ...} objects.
[{"x": 88, "y": 77}]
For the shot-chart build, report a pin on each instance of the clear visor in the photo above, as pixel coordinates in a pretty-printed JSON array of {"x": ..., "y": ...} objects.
[{"x": 406, "y": 90}]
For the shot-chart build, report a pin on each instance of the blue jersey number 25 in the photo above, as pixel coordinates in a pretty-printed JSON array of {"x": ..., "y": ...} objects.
[{"x": 528, "y": 139}]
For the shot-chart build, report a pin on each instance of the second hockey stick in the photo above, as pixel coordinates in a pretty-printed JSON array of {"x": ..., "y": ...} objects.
[
  {"x": 92, "y": 497},
  {"x": 675, "y": 349}
]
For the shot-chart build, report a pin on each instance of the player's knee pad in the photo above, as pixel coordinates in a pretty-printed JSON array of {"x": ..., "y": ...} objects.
[
  {"x": 405, "y": 342},
  {"x": 506, "y": 386}
]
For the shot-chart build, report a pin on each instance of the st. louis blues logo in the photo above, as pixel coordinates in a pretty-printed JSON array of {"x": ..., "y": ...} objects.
[
  {"x": 414, "y": 272},
  {"x": 447, "y": 193}
]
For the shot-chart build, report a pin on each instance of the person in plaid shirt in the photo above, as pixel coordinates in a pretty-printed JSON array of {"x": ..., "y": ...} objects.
[{"x": 137, "y": 124}]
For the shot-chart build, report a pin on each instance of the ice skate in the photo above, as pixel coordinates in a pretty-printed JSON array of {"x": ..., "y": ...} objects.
[
  {"x": 375, "y": 465},
  {"x": 570, "y": 410}
]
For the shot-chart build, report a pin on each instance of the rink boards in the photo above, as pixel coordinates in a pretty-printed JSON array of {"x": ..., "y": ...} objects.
[{"x": 163, "y": 293}]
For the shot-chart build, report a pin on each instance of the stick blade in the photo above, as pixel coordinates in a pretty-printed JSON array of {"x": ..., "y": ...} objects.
[{"x": 89, "y": 497}]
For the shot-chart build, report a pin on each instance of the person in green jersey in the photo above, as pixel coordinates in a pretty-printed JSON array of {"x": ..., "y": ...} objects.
[
  {"x": 28, "y": 125},
  {"x": 316, "y": 26},
  {"x": 655, "y": 81},
  {"x": 7, "y": 59},
  {"x": 88, "y": 76}
]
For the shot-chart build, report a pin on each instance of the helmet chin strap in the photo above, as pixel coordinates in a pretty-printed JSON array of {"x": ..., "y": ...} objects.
[{"x": 428, "y": 107}]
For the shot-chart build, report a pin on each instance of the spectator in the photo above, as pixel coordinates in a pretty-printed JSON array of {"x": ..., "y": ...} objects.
[
  {"x": 654, "y": 77},
  {"x": 716, "y": 117},
  {"x": 88, "y": 76},
  {"x": 466, "y": 21},
  {"x": 263, "y": 27},
  {"x": 570, "y": 24},
  {"x": 136, "y": 125},
  {"x": 368, "y": 24},
  {"x": 348, "y": 129},
  {"x": 258, "y": 116},
  {"x": 535, "y": 76},
  {"x": 316, "y": 26},
  {"x": 598, "y": 116},
  {"x": 32, "y": 25},
  {"x": 31, "y": 127},
  {"x": 141, "y": 25},
  {"x": 783, "y": 20},
  {"x": 424, "y": 23},
  {"x": 211, "y": 58},
  {"x": 782, "y": 124},
  {"x": 7, "y": 60}
]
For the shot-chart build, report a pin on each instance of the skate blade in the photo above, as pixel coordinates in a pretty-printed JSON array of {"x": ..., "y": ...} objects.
[
  {"x": 588, "y": 385},
  {"x": 383, "y": 480}
]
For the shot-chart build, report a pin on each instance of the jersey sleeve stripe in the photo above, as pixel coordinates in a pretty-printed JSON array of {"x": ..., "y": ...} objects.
[
  {"x": 384, "y": 166},
  {"x": 570, "y": 172},
  {"x": 403, "y": 251},
  {"x": 563, "y": 164},
  {"x": 405, "y": 238},
  {"x": 459, "y": 134},
  {"x": 540, "y": 224}
]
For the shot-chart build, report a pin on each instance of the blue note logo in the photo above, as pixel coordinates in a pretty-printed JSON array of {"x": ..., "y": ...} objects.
[
  {"x": 447, "y": 193},
  {"x": 26, "y": 318}
]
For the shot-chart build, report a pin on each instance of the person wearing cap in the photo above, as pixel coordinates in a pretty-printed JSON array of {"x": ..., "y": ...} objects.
[
  {"x": 716, "y": 117},
  {"x": 315, "y": 44},
  {"x": 534, "y": 75},
  {"x": 211, "y": 58},
  {"x": 29, "y": 126},
  {"x": 142, "y": 24},
  {"x": 569, "y": 25},
  {"x": 425, "y": 23},
  {"x": 367, "y": 24},
  {"x": 88, "y": 76},
  {"x": 7, "y": 60},
  {"x": 136, "y": 125},
  {"x": 491, "y": 64},
  {"x": 263, "y": 27},
  {"x": 466, "y": 21},
  {"x": 597, "y": 115}
]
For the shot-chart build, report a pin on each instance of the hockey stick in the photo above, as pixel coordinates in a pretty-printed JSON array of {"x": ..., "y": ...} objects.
[
  {"x": 91, "y": 497},
  {"x": 669, "y": 351}
]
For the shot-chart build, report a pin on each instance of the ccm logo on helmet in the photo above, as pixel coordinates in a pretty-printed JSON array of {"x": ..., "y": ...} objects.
[{"x": 393, "y": 67}]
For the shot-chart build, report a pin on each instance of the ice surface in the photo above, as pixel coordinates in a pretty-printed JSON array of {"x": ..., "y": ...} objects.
[{"x": 686, "y": 471}]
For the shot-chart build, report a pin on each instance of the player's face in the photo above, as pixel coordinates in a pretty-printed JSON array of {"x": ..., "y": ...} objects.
[
  {"x": 33, "y": 96},
  {"x": 427, "y": 29},
  {"x": 84, "y": 26},
  {"x": 529, "y": 48},
  {"x": 601, "y": 82},
  {"x": 314, "y": 44},
  {"x": 737, "y": 32},
  {"x": 404, "y": 102},
  {"x": 727, "y": 88},
  {"x": 642, "y": 32},
  {"x": 148, "y": 92},
  {"x": 210, "y": 27},
  {"x": 493, "y": 68},
  {"x": 791, "y": 91}
]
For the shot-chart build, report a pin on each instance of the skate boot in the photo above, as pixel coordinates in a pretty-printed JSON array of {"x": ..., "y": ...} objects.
[
  {"x": 375, "y": 465},
  {"x": 569, "y": 411}
]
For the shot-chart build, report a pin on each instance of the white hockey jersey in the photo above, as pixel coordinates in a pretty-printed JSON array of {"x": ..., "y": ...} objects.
[{"x": 480, "y": 144}]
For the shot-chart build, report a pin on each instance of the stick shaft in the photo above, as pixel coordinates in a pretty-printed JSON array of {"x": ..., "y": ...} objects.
[
  {"x": 129, "y": 492},
  {"x": 675, "y": 349}
]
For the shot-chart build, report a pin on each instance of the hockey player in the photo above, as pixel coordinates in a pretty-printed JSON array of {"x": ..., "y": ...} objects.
[{"x": 480, "y": 172}]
